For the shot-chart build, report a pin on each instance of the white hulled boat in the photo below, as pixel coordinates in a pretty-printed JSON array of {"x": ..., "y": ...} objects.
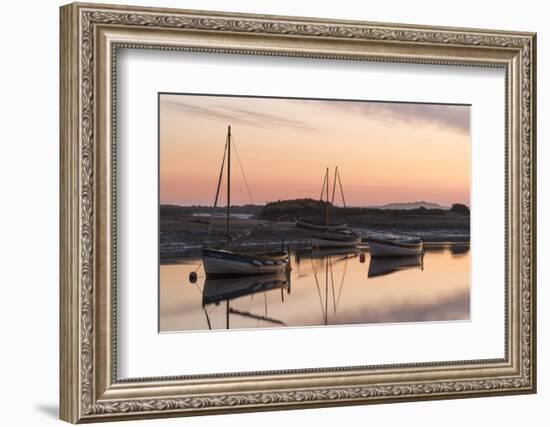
[
  {"x": 333, "y": 239},
  {"x": 224, "y": 262},
  {"x": 312, "y": 225},
  {"x": 330, "y": 237},
  {"x": 394, "y": 247}
]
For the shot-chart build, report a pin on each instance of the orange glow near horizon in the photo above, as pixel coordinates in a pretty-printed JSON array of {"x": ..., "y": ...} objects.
[{"x": 385, "y": 152}]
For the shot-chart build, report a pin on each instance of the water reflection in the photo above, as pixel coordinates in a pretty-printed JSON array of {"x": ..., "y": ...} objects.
[
  {"x": 329, "y": 287},
  {"x": 460, "y": 249},
  {"x": 383, "y": 266},
  {"x": 325, "y": 273},
  {"x": 226, "y": 289}
]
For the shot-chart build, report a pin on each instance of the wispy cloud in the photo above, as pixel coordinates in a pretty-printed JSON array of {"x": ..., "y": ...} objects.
[
  {"x": 235, "y": 114},
  {"x": 453, "y": 117},
  {"x": 249, "y": 111}
]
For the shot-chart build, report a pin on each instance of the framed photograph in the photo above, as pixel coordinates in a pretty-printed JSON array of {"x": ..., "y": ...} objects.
[{"x": 265, "y": 212}]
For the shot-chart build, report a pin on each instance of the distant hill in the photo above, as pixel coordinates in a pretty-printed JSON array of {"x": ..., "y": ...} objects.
[
  {"x": 410, "y": 205},
  {"x": 287, "y": 209},
  {"x": 315, "y": 210}
]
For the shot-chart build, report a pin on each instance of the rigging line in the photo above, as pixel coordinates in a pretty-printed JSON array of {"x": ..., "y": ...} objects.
[
  {"x": 217, "y": 190},
  {"x": 332, "y": 286},
  {"x": 334, "y": 185},
  {"x": 342, "y": 283},
  {"x": 318, "y": 287},
  {"x": 326, "y": 288},
  {"x": 207, "y": 319},
  {"x": 323, "y": 189},
  {"x": 204, "y": 308},
  {"x": 341, "y": 187},
  {"x": 197, "y": 287},
  {"x": 242, "y": 171},
  {"x": 327, "y": 205},
  {"x": 256, "y": 317}
]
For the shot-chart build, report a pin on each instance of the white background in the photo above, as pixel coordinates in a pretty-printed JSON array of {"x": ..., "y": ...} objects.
[
  {"x": 145, "y": 353},
  {"x": 29, "y": 171}
]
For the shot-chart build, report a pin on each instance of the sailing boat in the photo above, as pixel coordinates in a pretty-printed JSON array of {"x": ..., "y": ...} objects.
[
  {"x": 395, "y": 247},
  {"x": 224, "y": 262},
  {"x": 322, "y": 225},
  {"x": 330, "y": 237}
]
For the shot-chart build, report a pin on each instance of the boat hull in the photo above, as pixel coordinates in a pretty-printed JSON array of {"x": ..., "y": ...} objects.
[
  {"x": 226, "y": 263},
  {"x": 335, "y": 240},
  {"x": 388, "y": 248},
  {"x": 320, "y": 227}
]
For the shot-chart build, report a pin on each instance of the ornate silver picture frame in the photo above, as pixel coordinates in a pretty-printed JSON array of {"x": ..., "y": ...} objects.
[{"x": 91, "y": 37}]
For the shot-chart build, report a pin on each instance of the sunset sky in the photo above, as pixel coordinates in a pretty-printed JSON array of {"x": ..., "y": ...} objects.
[{"x": 385, "y": 152}]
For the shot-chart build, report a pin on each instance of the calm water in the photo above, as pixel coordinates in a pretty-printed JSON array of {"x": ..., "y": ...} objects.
[{"x": 323, "y": 288}]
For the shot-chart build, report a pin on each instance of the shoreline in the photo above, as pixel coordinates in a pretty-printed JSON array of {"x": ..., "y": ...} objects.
[
  {"x": 182, "y": 230},
  {"x": 187, "y": 253},
  {"x": 178, "y": 250}
]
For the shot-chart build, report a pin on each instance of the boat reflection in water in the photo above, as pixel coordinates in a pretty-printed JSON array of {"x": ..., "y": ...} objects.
[
  {"x": 385, "y": 266},
  {"x": 336, "y": 253},
  {"x": 218, "y": 290},
  {"x": 330, "y": 286},
  {"x": 459, "y": 249},
  {"x": 329, "y": 281}
]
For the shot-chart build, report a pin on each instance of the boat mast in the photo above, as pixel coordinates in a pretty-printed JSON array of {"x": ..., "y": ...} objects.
[
  {"x": 323, "y": 188},
  {"x": 328, "y": 219},
  {"x": 210, "y": 225},
  {"x": 334, "y": 184},
  {"x": 227, "y": 228},
  {"x": 326, "y": 287},
  {"x": 341, "y": 187}
]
